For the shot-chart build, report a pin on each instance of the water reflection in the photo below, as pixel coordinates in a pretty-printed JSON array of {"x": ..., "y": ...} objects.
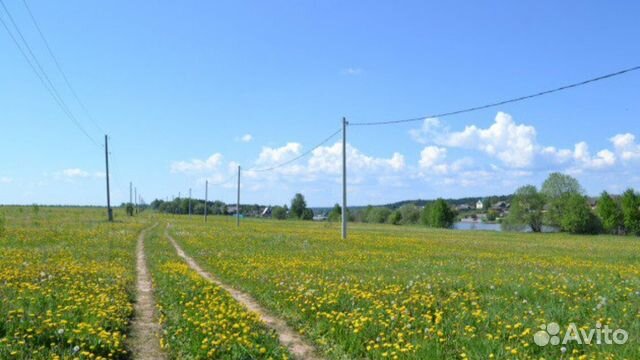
[{"x": 481, "y": 226}]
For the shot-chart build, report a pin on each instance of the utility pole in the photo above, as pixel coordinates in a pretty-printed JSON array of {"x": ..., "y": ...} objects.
[
  {"x": 106, "y": 161},
  {"x": 189, "y": 202},
  {"x": 238, "y": 200},
  {"x": 130, "y": 192},
  {"x": 206, "y": 198},
  {"x": 136, "y": 198},
  {"x": 344, "y": 178}
]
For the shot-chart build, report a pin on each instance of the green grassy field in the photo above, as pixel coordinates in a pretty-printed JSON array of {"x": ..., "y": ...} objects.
[
  {"x": 67, "y": 288},
  {"x": 408, "y": 292},
  {"x": 200, "y": 320},
  {"x": 66, "y": 280}
]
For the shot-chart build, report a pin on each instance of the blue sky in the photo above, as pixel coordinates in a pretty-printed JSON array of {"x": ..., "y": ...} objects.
[{"x": 188, "y": 91}]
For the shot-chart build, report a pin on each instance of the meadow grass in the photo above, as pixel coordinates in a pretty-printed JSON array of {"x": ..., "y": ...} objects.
[
  {"x": 200, "y": 320},
  {"x": 415, "y": 293},
  {"x": 66, "y": 281},
  {"x": 67, "y": 288}
]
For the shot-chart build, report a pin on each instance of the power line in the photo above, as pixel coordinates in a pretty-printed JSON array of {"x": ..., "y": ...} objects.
[
  {"x": 57, "y": 63},
  {"x": 299, "y": 156},
  {"x": 47, "y": 84},
  {"x": 521, "y": 98}
]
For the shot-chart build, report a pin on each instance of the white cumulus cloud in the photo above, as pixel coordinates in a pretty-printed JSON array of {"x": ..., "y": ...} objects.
[
  {"x": 197, "y": 165},
  {"x": 514, "y": 144},
  {"x": 625, "y": 145},
  {"x": 328, "y": 159},
  {"x": 431, "y": 131},
  {"x": 603, "y": 159},
  {"x": 274, "y": 156},
  {"x": 431, "y": 155},
  {"x": 432, "y": 160},
  {"x": 558, "y": 156}
]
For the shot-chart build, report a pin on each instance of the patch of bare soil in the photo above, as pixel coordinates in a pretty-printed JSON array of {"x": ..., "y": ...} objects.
[{"x": 146, "y": 332}]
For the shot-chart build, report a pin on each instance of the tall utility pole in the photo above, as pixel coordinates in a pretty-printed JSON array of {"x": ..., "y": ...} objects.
[
  {"x": 189, "y": 202},
  {"x": 130, "y": 192},
  {"x": 344, "y": 178},
  {"x": 206, "y": 199},
  {"x": 135, "y": 190},
  {"x": 238, "y": 200},
  {"x": 106, "y": 161}
]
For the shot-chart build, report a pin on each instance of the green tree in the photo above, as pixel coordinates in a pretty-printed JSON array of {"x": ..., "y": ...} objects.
[
  {"x": 487, "y": 203},
  {"x": 557, "y": 189},
  {"x": 558, "y": 184},
  {"x": 279, "y": 213},
  {"x": 363, "y": 214},
  {"x": 410, "y": 214},
  {"x": 378, "y": 215},
  {"x": 298, "y": 205},
  {"x": 577, "y": 217},
  {"x": 631, "y": 212},
  {"x": 526, "y": 209},
  {"x": 184, "y": 206},
  {"x": 610, "y": 214},
  {"x": 336, "y": 213},
  {"x": 307, "y": 214},
  {"x": 438, "y": 214},
  {"x": 198, "y": 208},
  {"x": 395, "y": 218},
  {"x": 492, "y": 215}
]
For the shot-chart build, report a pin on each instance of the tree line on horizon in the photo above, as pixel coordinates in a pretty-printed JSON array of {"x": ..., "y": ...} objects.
[{"x": 560, "y": 204}]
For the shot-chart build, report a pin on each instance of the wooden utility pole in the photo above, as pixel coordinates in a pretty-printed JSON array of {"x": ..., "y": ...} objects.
[
  {"x": 344, "y": 178},
  {"x": 238, "y": 200},
  {"x": 106, "y": 161},
  {"x": 206, "y": 198}
]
